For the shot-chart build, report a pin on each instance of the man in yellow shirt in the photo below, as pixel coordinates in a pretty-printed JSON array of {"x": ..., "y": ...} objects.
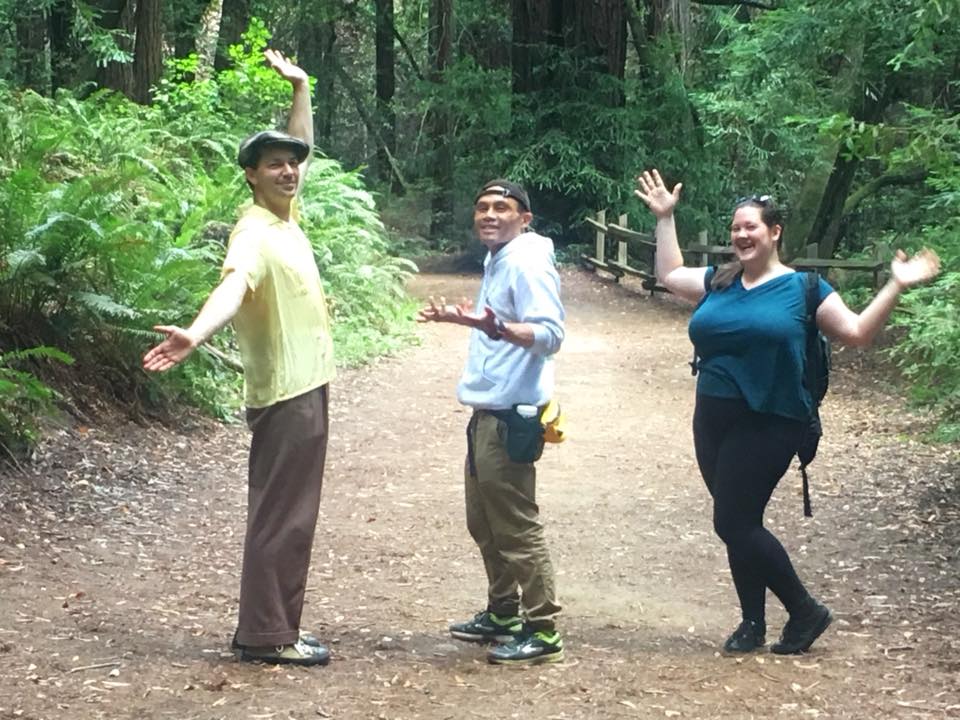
[{"x": 270, "y": 288}]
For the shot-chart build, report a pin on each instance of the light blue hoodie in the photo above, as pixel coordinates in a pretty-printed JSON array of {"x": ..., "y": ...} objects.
[{"x": 521, "y": 284}]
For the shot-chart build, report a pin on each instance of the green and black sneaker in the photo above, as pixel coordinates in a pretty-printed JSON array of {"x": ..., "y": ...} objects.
[
  {"x": 488, "y": 627},
  {"x": 529, "y": 648}
]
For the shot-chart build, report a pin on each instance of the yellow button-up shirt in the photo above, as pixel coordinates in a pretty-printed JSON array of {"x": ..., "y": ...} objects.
[{"x": 282, "y": 325}]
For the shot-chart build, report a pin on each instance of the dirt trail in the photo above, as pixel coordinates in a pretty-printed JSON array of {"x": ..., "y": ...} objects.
[{"x": 119, "y": 554}]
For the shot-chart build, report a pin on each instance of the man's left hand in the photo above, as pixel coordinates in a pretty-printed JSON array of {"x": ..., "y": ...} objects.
[{"x": 286, "y": 69}]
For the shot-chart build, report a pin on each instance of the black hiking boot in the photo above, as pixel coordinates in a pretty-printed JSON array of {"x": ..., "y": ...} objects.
[
  {"x": 748, "y": 636},
  {"x": 803, "y": 628}
]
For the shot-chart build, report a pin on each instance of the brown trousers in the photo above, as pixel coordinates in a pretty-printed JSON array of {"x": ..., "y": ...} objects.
[
  {"x": 504, "y": 520},
  {"x": 287, "y": 454}
]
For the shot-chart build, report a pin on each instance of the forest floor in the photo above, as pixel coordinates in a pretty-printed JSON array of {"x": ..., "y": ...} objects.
[{"x": 120, "y": 549}]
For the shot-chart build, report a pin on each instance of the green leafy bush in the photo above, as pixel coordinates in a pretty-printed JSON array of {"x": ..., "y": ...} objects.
[
  {"x": 23, "y": 400},
  {"x": 114, "y": 218}
]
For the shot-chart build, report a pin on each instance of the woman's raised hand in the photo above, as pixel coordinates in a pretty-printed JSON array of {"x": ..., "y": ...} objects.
[
  {"x": 908, "y": 272},
  {"x": 654, "y": 193}
]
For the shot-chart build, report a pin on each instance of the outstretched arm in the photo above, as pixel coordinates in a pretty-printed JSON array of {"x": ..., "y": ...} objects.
[
  {"x": 300, "y": 122},
  {"x": 217, "y": 311},
  {"x": 516, "y": 333},
  {"x": 839, "y": 322},
  {"x": 682, "y": 281}
]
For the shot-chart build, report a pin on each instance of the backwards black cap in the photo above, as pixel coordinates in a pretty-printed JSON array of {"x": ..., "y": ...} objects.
[{"x": 506, "y": 188}]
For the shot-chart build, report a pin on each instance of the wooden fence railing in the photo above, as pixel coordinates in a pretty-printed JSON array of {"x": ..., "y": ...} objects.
[{"x": 644, "y": 248}]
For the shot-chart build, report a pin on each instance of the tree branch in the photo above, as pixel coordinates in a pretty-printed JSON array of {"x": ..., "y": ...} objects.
[
  {"x": 351, "y": 87},
  {"x": 878, "y": 183},
  {"x": 637, "y": 33},
  {"x": 735, "y": 3},
  {"x": 406, "y": 49}
]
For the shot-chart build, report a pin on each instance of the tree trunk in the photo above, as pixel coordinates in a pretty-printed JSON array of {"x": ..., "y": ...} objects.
[
  {"x": 441, "y": 55},
  {"x": 233, "y": 23},
  {"x": 147, "y": 49},
  {"x": 819, "y": 210},
  {"x": 32, "y": 58},
  {"x": 318, "y": 47},
  {"x": 207, "y": 37},
  {"x": 588, "y": 38},
  {"x": 186, "y": 25},
  {"x": 118, "y": 15},
  {"x": 386, "y": 86},
  {"x": 63, "y": 51}
]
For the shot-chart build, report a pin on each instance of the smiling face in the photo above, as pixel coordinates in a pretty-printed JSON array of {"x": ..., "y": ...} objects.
[
  {"x": 753, "y": 241},
  {"x": 498, "y": 219},
  {"x": 275, "y": 178}
]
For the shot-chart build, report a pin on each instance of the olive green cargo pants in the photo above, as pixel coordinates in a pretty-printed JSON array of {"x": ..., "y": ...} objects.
[{"x": 504, "y": 520}]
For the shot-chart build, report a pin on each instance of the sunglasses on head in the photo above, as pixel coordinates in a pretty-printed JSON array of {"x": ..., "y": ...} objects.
[{"x": 758, "y": 199}]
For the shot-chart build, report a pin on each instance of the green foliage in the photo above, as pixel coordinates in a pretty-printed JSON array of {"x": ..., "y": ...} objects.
[
  {"x": 24, "y": 399},
  {"x": 929, "y": 353},
  {"x": 113, "y": 218},
  {"x": 363, "y": 283},
  {"x": 105, "y": 46}
]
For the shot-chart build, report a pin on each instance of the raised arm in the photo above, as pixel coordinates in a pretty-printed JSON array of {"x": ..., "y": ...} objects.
[
  {"x": 839, "y": 322},
  {"x": 300, "y": 122},
  {"x": 671, "y": 273}
]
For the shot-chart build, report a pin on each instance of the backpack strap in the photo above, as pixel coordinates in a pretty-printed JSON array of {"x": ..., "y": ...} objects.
[
  {"x": 707, "y": 278},
  {"x": 811, "y": 284}
]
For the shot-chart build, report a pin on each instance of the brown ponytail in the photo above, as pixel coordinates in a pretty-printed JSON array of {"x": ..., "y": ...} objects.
[{"x": 725, "y": 274}]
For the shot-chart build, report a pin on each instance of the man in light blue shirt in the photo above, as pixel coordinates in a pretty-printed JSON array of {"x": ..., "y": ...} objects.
[{"x": 509, "y": 377}]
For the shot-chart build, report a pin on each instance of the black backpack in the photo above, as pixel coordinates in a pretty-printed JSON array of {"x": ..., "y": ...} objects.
[{"x": 816, "y": 377}]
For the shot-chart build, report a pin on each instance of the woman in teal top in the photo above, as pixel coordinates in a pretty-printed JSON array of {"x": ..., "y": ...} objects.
[
  {"x": 751, "y": 344},
  {"x": 751, "y": 404}
]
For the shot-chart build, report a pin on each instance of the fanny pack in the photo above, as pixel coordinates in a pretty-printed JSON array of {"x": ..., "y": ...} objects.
[{"x": 524, "y": 433}]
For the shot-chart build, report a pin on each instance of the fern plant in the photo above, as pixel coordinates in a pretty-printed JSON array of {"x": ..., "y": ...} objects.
[{"x": 24, "y": 399}]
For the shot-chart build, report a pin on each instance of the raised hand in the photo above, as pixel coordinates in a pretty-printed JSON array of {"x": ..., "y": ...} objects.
[
  {"x": 175, "y": 348},
  {"x": 651, "y": 189},
  {"x": 907, "y": 272},
  {"x": 286, "y": 69}
]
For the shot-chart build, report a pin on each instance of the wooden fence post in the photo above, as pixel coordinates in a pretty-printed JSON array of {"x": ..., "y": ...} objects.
[
  {"x": 622, "y": 244},
  {"x": 601, "y": 250},
  {"x": 702, "y": 240}
]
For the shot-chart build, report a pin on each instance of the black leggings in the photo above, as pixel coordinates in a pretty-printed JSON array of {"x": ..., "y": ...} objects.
[{"x": 742, "y": 455}]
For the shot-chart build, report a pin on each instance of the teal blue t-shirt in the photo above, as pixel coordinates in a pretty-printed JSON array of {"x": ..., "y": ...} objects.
[{"x": 751, "y": 344}]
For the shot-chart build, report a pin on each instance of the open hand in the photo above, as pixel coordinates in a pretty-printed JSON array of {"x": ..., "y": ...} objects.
[
  {"x": 441, "y": 312},
  {"x": 286, "y": 69},
  {"x": 907, "y": 272},
  {"x": 660, "y": 200},
  {"x": 176, "y": 347},
  {"x": 460, "y": 314}
]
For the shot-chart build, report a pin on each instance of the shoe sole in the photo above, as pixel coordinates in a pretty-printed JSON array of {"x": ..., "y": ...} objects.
[
  {"x": 739, "y": 653},
  {"x": 244, "y": 657},
  {"x": 468, "y": 637},
  {"x": 821, "y": 627},
  {"x": 538, "y": 660}
]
